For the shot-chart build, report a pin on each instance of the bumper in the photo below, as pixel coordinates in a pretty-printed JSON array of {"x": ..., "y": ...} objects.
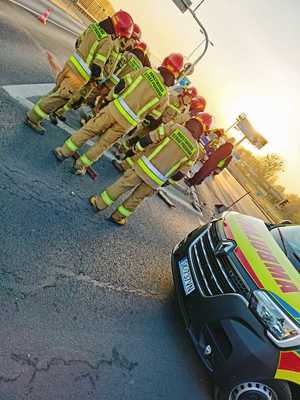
[{"x": 228, "y": 338}]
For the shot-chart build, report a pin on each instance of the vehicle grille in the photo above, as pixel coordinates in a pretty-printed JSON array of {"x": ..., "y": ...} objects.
[{"x": 215, "y": 275}]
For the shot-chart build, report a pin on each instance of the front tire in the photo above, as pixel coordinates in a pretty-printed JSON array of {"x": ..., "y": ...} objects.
[{"x": 267, "y": 390}]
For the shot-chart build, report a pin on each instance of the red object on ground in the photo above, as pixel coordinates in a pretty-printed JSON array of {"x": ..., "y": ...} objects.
[
  {"x": 54, "y": 65},
  {"x": 43, "y": 18},
  {"x": 89, "y": 170}
]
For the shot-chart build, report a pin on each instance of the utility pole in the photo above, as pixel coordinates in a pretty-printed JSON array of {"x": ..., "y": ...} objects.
[{"x": 185, "y": 5}]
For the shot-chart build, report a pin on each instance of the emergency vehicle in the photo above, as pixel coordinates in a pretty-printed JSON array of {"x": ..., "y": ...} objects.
[{"x": 238, "y": 284}]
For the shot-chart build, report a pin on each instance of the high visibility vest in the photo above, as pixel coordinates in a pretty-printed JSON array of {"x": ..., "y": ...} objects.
[
  {"x": 222, "y": 163},
  {"x": 159, "y": 89},
  {"x": 187, "y": 147},
  {"x": 82, "y": 65}
]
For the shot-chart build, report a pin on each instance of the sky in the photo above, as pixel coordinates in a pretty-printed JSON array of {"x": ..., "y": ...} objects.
[{"x": 253, "y": 66}]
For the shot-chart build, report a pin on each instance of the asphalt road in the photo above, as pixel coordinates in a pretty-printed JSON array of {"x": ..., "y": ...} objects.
[
  {"x": 87, "y": 308},
  {"x": 224, "y": 189}
]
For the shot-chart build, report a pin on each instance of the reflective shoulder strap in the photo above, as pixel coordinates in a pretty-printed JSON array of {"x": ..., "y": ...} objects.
[
  {"x": 176, "y": 166},
  {"x": 132, "y": 86},
  {"x": 135, "y": 63},
  {"x": 159, "y": 148},
  {"x": 98, "y": 31}
]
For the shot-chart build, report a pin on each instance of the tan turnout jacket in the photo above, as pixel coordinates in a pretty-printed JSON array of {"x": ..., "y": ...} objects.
[
  {"x": 144, "y": 93},
  {"x": 174, "y": 149},
  {"x": 94, "y": 47}
]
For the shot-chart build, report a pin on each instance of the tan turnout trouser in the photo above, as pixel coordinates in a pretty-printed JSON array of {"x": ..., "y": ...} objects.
[
  {"x": 130, "y": 180},
  {"x": 108, "y": 130},
  {"x": 67, "y": 83}
]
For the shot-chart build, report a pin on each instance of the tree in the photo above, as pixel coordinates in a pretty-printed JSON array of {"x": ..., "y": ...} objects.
[{"x": 271, "y": 166}]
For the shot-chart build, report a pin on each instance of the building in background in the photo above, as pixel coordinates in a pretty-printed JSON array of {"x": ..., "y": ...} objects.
[{"x": 95, "y": 10}]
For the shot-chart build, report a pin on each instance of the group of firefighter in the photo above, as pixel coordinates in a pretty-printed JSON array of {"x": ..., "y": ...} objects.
[{"x": 158, "y": 129}]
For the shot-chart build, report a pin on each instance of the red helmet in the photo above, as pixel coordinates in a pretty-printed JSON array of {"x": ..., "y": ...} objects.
[
  {"x": 198, "y": 103},
  {"x": 206, "y": 119},
  {"x": 136, "y": 33},
  {"x": 190, "y": 91},
  {"x": 141, "y": 46},
  {"x": 123, "y": 24},
  {"x": 174, "y": 63}
]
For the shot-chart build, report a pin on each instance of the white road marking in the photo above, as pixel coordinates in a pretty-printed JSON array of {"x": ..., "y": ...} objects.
[
  {"x": 21, "y": 93},
  {"x": 38, "y": 14}
]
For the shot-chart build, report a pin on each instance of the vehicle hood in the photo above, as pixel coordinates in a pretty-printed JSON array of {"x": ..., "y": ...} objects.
[{"x": 264, "y": 260}]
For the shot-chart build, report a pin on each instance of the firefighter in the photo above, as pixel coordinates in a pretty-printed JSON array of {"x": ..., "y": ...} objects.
[
  {"x": 132, "y": 60},
  {"x": 197, "y": 106},
  {"x": 129, "y": 43},
  {"x": 216, "y": 162},
  {"x": 139, "y": 93},
  {"x": 93, "y": 88},
  {"x": 94, "y": 93},
  {"x": 178, "y": 103},
  {"x": 87, "y": 63},
  {"x": 170, "y": 152},
  {"x": 177, "y": 111}
]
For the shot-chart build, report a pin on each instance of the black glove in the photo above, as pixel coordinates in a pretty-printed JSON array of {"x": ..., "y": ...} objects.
[
  {"x": 78, "y": 103},
  {"x": 152, "y": 123},
  {"x": 133, "y": 141},
  {"x": 95, "y": 71},
  {"x": 145, "y": 141},
  {"x": 177, "y": 176},
  {"x": 129, "y": 153},
  {"x": 120, "y": 86}
]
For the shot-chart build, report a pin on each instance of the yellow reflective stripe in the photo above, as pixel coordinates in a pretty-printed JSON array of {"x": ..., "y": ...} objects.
[
  {"x": 174, "y": 108},
  {"x": 159, "y": 148},
  {"x": 139, "y": 147},
  {"x": 129, "y": 161},
  {"x": 161, "y": 131},
  {"x": 176, "y": 166},
  {"x": 71, "y": 145},
  {"x": 106, "y": 198},
  {"x": 147, "y": 106},
  {"x": 156, "y": 113},
  {"x": 79, "y": 68},
  {"x": 286, "y": 375},
  {"x": 85, "y": 161},
  {"x": 125, "y": 145},
  {"x": 67, "y": 107},
  {"x": 114, "y": 55},
  {"x": 128, "y": 79},
  {"x": 149, "y": 173},
  {"x": 190, "y": 163},
  {"x": 221, "y": 163},
  {"x": 124, "y": 211},
  {"x": 101, "y": 57},
  {"x": 172, "y": 182},
  {"x": 125, "y": 114},
  {"x": 37, "y": 109},
  {"x": 114, "y": 79},
  {"x": 92, "y": 53},
  {"x": 133, "y": 86}
]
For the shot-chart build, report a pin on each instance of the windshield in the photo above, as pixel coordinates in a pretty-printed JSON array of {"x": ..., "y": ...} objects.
[{"x": 288, "y": 237}]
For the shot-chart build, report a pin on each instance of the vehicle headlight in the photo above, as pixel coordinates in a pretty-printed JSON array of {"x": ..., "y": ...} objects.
[{"x": 281, "y": 329}]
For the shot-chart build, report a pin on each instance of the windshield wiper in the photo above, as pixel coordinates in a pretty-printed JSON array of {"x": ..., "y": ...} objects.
[{"x": 296, "y": 256}]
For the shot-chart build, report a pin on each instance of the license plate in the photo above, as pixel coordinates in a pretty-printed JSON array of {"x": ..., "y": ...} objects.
[{"x": 186, "y": 276}]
